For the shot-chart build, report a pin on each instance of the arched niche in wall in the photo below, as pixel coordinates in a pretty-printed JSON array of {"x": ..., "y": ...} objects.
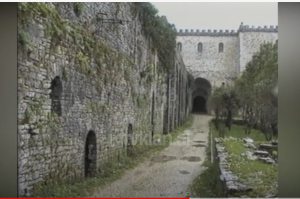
[
  {"x": 179, "y": 46},
  {"x": 200, "y": 47},
  {"x": 90, "y": 154},
  {"x": 55, "y": 95},
  {"x": 221, "y": 47}
]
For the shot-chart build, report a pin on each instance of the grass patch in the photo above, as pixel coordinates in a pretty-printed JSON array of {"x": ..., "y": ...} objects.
[
  {"x": 107, "y": 172},
  {"x": 239, "y": 132},
  {"x": 260, "y": 176}
]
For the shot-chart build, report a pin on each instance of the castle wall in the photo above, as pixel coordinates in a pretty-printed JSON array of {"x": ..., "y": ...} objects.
[
  {"x": 250, "y": 43},
  {"x": 239, "y": 47},
  {"x": 105, "y": 77},
  {"x": 210, "y": 64}
]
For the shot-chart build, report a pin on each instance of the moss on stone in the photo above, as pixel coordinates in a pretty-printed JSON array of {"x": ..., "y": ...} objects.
[{"x": 78, "y": 8}]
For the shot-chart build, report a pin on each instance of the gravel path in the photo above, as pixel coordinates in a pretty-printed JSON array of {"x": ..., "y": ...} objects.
[{"x": 167, "y": 173}]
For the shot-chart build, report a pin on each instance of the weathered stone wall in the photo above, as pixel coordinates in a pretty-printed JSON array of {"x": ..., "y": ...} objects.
[
  {"x": 98, "y": 77},
  {"x": 250, "y": 43},
  {"x": 215, "y": 66},
  {"x": 239, "y": 47}
]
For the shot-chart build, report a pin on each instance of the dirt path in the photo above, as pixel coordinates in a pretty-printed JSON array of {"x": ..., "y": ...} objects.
[{"x": 167, "y": 173}]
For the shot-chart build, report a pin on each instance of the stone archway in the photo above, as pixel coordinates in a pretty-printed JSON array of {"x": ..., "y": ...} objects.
[
  {"x": 90, "y": 154},
  {"x": 201, "y": 95},
  {"x": 199, "y": 105}
]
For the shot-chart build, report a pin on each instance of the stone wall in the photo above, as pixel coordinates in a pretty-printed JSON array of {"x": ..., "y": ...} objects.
[
  {"x": 238, "y": 48},
  {"x": 250, "y": 43},
  {"x": 215, "y": 66},
  {"x": 98, "y": 78}
]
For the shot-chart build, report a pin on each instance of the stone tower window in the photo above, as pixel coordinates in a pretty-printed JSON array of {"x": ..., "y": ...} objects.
[
  {"x": 221, "y": 47},
  {"x": 223, "y": 83},
  {"x": 277, "y": 42},
  {"x": 55, "y": 95},
  {"x": 179, "y": 46},
  {"x": 200, "y": 47}
]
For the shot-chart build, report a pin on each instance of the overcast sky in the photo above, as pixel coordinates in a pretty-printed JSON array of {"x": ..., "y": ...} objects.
[{"x": 203, "y": 15}]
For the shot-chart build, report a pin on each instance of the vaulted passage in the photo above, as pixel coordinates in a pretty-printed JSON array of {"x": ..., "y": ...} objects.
[
  {"x": 199, "y": 105},
  {"x": 90, "y": 154},
  {"x": 201, "y": 95}
]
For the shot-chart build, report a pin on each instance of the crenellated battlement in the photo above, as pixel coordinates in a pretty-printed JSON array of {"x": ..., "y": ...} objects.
[
  {"x": 242, "y": 28},
  {"x": 246, "y": 28},
  {"x": 208, "y": 32}
]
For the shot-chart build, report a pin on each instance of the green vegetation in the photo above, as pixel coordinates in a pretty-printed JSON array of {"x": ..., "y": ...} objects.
[
  {"x": 260, "y": 176},
  {"x": 78, "y": 7},
  {"x": 161, "y": 33},
  {"x": 252, "y": 94},
  {"x": 24, "y": 40}
]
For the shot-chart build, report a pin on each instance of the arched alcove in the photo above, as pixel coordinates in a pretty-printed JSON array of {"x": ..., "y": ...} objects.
[
  {"x": 200, "y": 47},
  {"x": 55, "y": 95},
  {"x": 179, "y": 46},
  {"x": 90, "y": 154},
  {"x": 221, "y": 47},
  {"x": 201, "y": 95}
]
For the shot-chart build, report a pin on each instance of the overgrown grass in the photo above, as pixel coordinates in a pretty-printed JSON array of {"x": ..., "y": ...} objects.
[
  {"x": 260, "y": 176},
  {"x": 109, "y": 171},
  {"x": 239, "y": 132}
]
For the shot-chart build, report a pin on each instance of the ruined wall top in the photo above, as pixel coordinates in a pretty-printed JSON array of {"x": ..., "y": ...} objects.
[{"x": 242, "y": 28}]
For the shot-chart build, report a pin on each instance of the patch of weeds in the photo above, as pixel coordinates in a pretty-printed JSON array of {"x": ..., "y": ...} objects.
[
  {"x": 239, "y": 132},
  {"x": 83, "y": 62},
  {"x": 65, "y": 74},
  {"x": 260, "y": 176},
  {"x": 24, "y": 39},
  {"x": 78, "y": 7}
]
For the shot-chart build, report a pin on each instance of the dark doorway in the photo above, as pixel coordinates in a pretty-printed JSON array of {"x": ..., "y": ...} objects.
[
  {"x": 90, "y": 154},
  {"x": 199, "y": 105}
]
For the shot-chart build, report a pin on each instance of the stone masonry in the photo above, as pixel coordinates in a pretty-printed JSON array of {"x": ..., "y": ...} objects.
[
  {"x": 201, "y": 53},
  {"x": 100, "y": 79}
]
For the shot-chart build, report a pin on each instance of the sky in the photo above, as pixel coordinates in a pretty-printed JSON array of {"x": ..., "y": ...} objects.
[{"x": 225, "y": 15}]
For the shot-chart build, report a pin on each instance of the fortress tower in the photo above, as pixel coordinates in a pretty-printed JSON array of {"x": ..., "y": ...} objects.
[
  {"x": 219, "y": 56},
  {"x": 215, "y": 58}
]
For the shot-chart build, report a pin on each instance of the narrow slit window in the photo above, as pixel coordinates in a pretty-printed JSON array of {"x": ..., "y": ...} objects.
[
  {"x": 55, "y": 95},
  {"x": 200, "y": 47},
  {"x": 179, "y": 46},
  {"x": 221, "y": 47}
]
